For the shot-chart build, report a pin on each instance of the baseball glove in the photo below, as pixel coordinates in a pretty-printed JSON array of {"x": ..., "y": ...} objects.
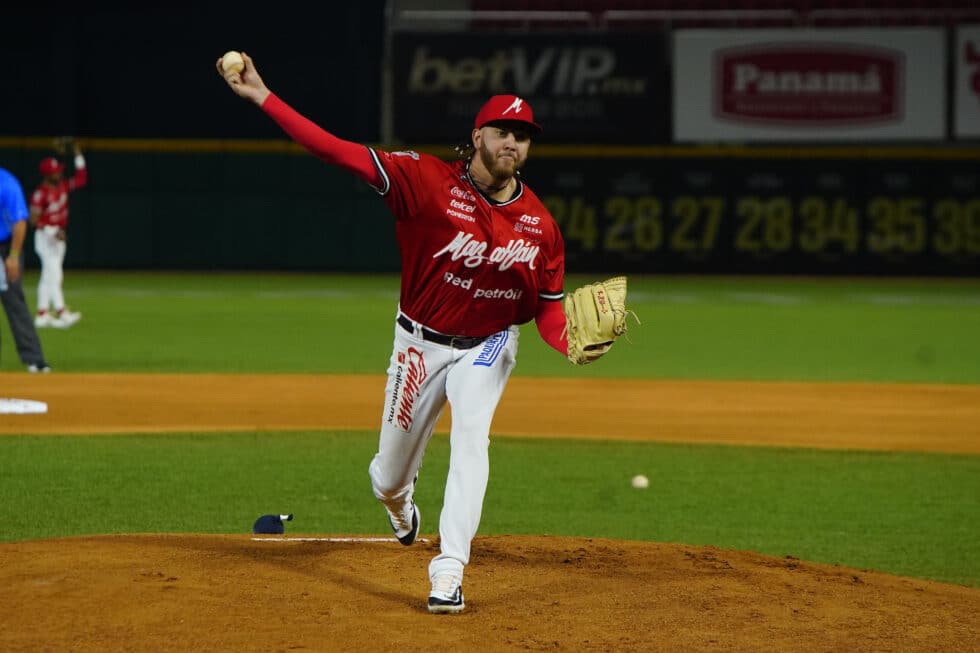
[
  {"x": 595, "y": 316},
  {"x": 64, "y": 143}
]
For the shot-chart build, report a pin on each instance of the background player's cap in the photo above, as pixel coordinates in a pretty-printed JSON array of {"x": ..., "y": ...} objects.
[
  {"x": 51, "y": 166},
  {"x": 506, "y": 107}
]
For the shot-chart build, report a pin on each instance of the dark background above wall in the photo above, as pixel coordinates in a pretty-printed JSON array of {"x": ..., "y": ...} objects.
[{"x": 141, "y": 72}]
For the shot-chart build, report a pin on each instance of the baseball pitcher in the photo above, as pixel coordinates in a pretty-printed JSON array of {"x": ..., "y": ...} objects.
[{"x": 480, "y": 254}]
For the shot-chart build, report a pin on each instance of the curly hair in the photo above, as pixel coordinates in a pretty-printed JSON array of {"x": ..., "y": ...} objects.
[{"x": 464, "y": 149}]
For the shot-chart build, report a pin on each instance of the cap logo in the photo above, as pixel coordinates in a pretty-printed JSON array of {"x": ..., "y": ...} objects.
[
  {"x": 515, "y": 105},
  {"x": 506, "y": 108}
]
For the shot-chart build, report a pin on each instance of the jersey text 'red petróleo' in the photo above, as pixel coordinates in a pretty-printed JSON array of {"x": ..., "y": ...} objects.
[{"x": 470, "y": 266}]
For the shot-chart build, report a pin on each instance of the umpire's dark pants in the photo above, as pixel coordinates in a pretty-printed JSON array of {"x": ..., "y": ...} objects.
[{"x": 19, "y": 315}]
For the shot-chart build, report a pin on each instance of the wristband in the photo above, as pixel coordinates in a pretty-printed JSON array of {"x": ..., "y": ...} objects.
[{"x": 14, "y": 252}]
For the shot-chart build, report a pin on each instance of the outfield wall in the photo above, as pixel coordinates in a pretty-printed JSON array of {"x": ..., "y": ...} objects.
[{"x": 780, "y": 210}]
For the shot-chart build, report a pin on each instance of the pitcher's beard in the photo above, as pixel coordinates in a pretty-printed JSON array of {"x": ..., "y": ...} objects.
[{"x": 493, "y": 166}]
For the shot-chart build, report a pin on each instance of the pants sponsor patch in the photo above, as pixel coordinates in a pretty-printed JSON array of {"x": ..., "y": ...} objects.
[
  {"x": 491, "y": 348},
  {"x": 409, "y": 376}
]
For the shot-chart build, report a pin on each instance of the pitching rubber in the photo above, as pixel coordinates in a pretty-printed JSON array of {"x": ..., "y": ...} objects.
[{"x": 330, "y": 539}]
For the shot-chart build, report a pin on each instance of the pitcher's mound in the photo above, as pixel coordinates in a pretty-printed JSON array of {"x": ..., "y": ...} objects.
[{"x": 237, "y": 593}]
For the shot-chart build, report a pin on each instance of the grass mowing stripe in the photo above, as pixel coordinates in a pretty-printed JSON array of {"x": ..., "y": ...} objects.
[
  {"x": 208, "y": 483},
  {"x": 701, "y": 290},
  {"x": 756, "y": 329},
  {"x": 909, "y": 514}
]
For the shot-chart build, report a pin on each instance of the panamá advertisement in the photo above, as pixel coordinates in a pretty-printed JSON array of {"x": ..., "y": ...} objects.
[
  {"x": 809, "y": 85},
  {"x": 967, "y": 84}
]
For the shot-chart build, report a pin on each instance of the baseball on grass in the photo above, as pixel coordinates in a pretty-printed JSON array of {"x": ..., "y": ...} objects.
[
  {"x": 641, "y": 482},
  {"x": 232, "y": 62}
]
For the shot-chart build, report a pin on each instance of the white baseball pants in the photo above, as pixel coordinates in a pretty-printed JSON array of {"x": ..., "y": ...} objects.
[
  {"x": 51, "y": 250},
  {"x": 422, "y": 377}
]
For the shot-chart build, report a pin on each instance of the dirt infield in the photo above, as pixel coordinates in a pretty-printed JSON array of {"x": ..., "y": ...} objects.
[
  {"x": 234, "y": 593},
  {"x": 897, "y": 417}
]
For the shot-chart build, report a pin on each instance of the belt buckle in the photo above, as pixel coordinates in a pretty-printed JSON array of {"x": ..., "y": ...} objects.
[{"x": 466, "y": 342}]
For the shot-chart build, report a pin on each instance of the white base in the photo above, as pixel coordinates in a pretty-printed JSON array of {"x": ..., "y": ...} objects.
[{"x": 22, "y": 407}]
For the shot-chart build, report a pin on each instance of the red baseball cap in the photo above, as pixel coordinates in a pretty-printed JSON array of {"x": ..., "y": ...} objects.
[
  {"x": 506, "y": 107},
  {"x": 51, "y": 166}
]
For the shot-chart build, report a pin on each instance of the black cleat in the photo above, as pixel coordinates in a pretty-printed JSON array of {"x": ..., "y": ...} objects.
[
  {"x": 408, "y": 538},
  {"x": 446, "y": 596}
]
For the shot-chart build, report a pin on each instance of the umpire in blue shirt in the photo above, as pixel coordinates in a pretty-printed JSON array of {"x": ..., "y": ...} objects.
[{"x": 13, "y": 229}]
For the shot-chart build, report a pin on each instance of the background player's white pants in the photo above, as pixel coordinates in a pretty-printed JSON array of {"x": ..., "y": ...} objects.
[
  {"x": 422, "y": 376},
  {"x": 51, "y": 250}
]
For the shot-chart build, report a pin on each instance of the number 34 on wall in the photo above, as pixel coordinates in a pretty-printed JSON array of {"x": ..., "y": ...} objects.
[
  {"x": 891, "y": 225},
  {"x": 772, "y": 224}
]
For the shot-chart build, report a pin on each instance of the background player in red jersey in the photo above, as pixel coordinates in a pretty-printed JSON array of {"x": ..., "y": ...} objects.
[
  {"x": 49, "y": 216},
  {"x": 480, "y": 254}
]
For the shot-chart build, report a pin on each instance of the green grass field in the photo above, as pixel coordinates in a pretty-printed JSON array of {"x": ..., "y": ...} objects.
[
  {"x": 910, "y": 514},
  {"x": 747, "y": 328}
]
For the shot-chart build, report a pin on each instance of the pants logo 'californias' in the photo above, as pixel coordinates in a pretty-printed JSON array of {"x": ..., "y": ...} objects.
[{"x": 409, "y": 378}]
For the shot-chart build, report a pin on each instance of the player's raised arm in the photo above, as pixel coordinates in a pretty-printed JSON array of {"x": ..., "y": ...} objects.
[
  {"x": 80, "y": 177},
  {"x": 242, "y": 77},
  {"x": 244, "y": 80}
]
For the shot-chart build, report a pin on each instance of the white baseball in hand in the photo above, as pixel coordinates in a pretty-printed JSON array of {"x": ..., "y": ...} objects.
[{"x": 232, "y": 62}]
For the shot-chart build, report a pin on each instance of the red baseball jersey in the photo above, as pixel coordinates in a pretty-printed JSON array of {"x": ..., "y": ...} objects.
[
  {"x": 470, "y": 266},
  {"x": 52, "y": 199}
]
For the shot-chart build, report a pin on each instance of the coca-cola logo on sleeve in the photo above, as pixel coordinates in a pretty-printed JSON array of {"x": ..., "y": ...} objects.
[{"x": 809, "y": 84}]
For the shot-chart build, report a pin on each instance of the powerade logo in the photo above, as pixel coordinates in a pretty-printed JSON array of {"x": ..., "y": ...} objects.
[{"x": 491, "y": 349}]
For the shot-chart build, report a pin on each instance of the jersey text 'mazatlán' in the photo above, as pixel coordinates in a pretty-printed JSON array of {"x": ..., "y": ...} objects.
[{"x": 470, "y": 266}]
